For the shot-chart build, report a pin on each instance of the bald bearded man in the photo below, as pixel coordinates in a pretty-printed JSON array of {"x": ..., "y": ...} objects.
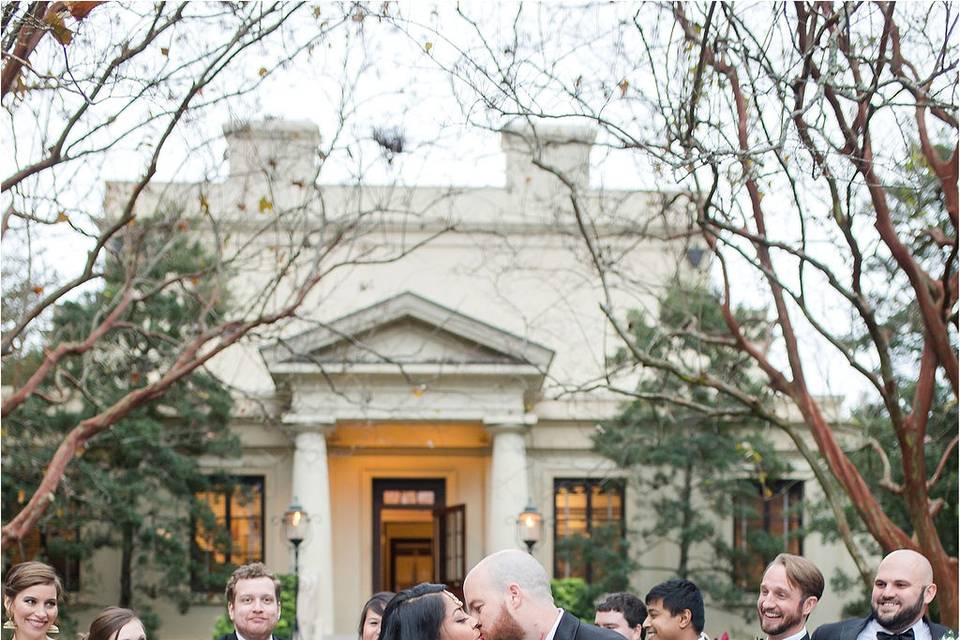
[
  {"x": 901, "y": 592},
  {"x": 508, "y": 593}
]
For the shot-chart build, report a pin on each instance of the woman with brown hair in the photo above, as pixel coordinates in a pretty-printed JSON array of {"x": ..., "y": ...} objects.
[
  {"x": 115, "y": 623},
  {"x": 31, "y": 599}
]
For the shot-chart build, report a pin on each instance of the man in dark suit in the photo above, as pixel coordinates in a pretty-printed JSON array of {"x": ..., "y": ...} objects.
[
  {"x": 253, "y": 603},
  {"x": 790, "y": 589},
  {"x": 509, "y": 594},
  {"x": 674, "y": 612},
  {"x": 901, "y": 592}
]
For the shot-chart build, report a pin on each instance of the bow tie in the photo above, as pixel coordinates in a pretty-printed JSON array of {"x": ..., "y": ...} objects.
[{"x": 903, "y": 635}]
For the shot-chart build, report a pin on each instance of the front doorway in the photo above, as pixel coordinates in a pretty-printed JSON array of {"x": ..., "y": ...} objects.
[{"x": 404, "y": 531}]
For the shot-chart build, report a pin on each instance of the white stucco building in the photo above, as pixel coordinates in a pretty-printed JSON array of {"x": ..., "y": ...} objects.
[{"x": 415, "y": 406}]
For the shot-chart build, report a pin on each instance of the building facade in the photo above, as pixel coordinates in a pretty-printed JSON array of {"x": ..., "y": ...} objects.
[{"x": 417, "y": 405}]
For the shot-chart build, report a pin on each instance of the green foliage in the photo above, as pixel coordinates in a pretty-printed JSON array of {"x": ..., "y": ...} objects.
[
  {"x": 132, "y": 488},
  {"x": 570, "y": 594},
  {"x": 607, "y": 552},
  {"x": 288, "y": 611},
  {"x": 690, "y": 447},
  {"x": 842, "y": 582}
]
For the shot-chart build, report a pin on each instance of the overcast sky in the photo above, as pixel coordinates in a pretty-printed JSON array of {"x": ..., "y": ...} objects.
[{"x": 395, "y": 79}]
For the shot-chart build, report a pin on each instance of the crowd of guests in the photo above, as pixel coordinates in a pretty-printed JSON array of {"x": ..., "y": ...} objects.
[{"x": 508, "y": 597}]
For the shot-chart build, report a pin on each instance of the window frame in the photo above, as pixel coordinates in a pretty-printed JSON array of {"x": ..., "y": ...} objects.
[
  {"x": 68, "y": 567},
  {"x": 790, "y": 490},
  {"x": 619, "y": 483},
  {"x": 226, "y": 489}
]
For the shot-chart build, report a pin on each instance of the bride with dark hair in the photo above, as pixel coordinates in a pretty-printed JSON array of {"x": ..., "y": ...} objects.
[{"x": 427, "y": 612}]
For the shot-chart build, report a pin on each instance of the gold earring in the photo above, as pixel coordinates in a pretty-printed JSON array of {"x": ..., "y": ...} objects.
[
  {"x": 9, "y": 624},
  {"x": 53, "y": 629}
]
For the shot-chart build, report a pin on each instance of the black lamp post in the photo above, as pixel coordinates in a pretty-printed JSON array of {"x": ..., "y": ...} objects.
[
  {"x": 530, "y": 526},
  {"x": 295, "y": 527}
]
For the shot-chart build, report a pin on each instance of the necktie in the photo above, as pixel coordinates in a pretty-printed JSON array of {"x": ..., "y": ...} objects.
[{"x": 903, "y": 635}]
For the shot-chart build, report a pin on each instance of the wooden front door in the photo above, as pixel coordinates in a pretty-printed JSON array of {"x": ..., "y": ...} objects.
[{"x": 449, "y": 543}]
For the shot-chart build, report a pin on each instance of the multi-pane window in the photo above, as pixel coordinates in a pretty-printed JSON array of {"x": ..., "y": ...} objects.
[
  {"x": 767, "y": 520},
  {"x": 233, "y": 537},
  {"x": 408, "y": 498},
  {"x": 584, "y": 508}
]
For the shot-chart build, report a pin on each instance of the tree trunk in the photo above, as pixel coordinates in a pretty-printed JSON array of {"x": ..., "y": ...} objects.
[
  {"x": 685, "y": 496},
  {"x": 126, "y": 560}
]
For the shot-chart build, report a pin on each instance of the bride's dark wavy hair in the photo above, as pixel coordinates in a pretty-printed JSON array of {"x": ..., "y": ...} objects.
[{"x": 414, "y": 614}]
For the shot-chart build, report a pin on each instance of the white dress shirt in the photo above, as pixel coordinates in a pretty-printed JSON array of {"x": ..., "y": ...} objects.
[
  {"x": 240, "y": 637},
  {"x": 556, "y": 623},
  {"x": 797, "y": 636}
]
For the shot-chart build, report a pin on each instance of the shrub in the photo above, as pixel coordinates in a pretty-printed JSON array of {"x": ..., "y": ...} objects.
[{"x": 571, "y": 594}]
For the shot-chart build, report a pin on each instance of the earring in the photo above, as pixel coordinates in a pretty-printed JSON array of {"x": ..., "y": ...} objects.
[
  {"x": 53, "y": 629},
  {"x": 9, "y": 625}
]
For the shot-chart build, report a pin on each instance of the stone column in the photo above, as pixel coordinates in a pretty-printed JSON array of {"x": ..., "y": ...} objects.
[
  {"x": 508, "y": 492},
  {"x": 311, "y": 486}
]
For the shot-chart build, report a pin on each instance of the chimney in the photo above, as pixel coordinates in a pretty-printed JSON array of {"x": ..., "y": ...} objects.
[
  {"x": 284, "y": 150},
  {"x": 563, "y": 148}
]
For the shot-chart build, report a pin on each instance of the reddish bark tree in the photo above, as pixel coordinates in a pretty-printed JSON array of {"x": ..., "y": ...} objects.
[
  {"x": 74, "y": 109},
  {"x": 796, "y": 130}
]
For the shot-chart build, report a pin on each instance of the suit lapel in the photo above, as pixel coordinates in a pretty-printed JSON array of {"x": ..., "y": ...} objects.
[
  {"x": 567, "y": 629},
  {"x": 853, "y": 630},
  {"x": 937, "y": 631}
]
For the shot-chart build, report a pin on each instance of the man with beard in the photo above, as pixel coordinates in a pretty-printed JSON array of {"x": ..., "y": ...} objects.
[
  {"x": 508, "y": 593},
  {"x": 901, "y": 592},
  {"x": 790, "y": 589}
]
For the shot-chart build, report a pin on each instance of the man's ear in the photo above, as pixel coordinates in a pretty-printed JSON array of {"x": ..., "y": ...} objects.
[
  {"x": 686, "y": 617},
  {"x": 809, "y": 604},
  {"x": 514, "y": 595},
  {"x": 929, "y": 593},
  {"x": 230, "y": 610}
]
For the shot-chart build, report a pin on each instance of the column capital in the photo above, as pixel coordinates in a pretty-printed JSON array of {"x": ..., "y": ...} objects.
[
  {"x": 517, "y": 423},
  {"x": 299, "y": 423}
]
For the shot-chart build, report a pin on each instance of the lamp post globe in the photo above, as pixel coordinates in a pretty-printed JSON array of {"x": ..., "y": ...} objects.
[
  {"x": 530, "y": 526},
  {"x": 296, "y": 525}
]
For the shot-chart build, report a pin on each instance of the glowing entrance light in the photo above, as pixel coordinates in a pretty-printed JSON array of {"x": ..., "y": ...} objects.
[{"x": 530, "y": 526}]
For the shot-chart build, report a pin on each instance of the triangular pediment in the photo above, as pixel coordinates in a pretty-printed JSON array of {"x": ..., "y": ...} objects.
[{"x": 404, "y": 330}]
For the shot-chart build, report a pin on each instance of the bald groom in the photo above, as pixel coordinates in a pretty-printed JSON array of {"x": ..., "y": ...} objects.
[
  {"x": 509, "y": 594},
  {"x": 901, "y": 592}
]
